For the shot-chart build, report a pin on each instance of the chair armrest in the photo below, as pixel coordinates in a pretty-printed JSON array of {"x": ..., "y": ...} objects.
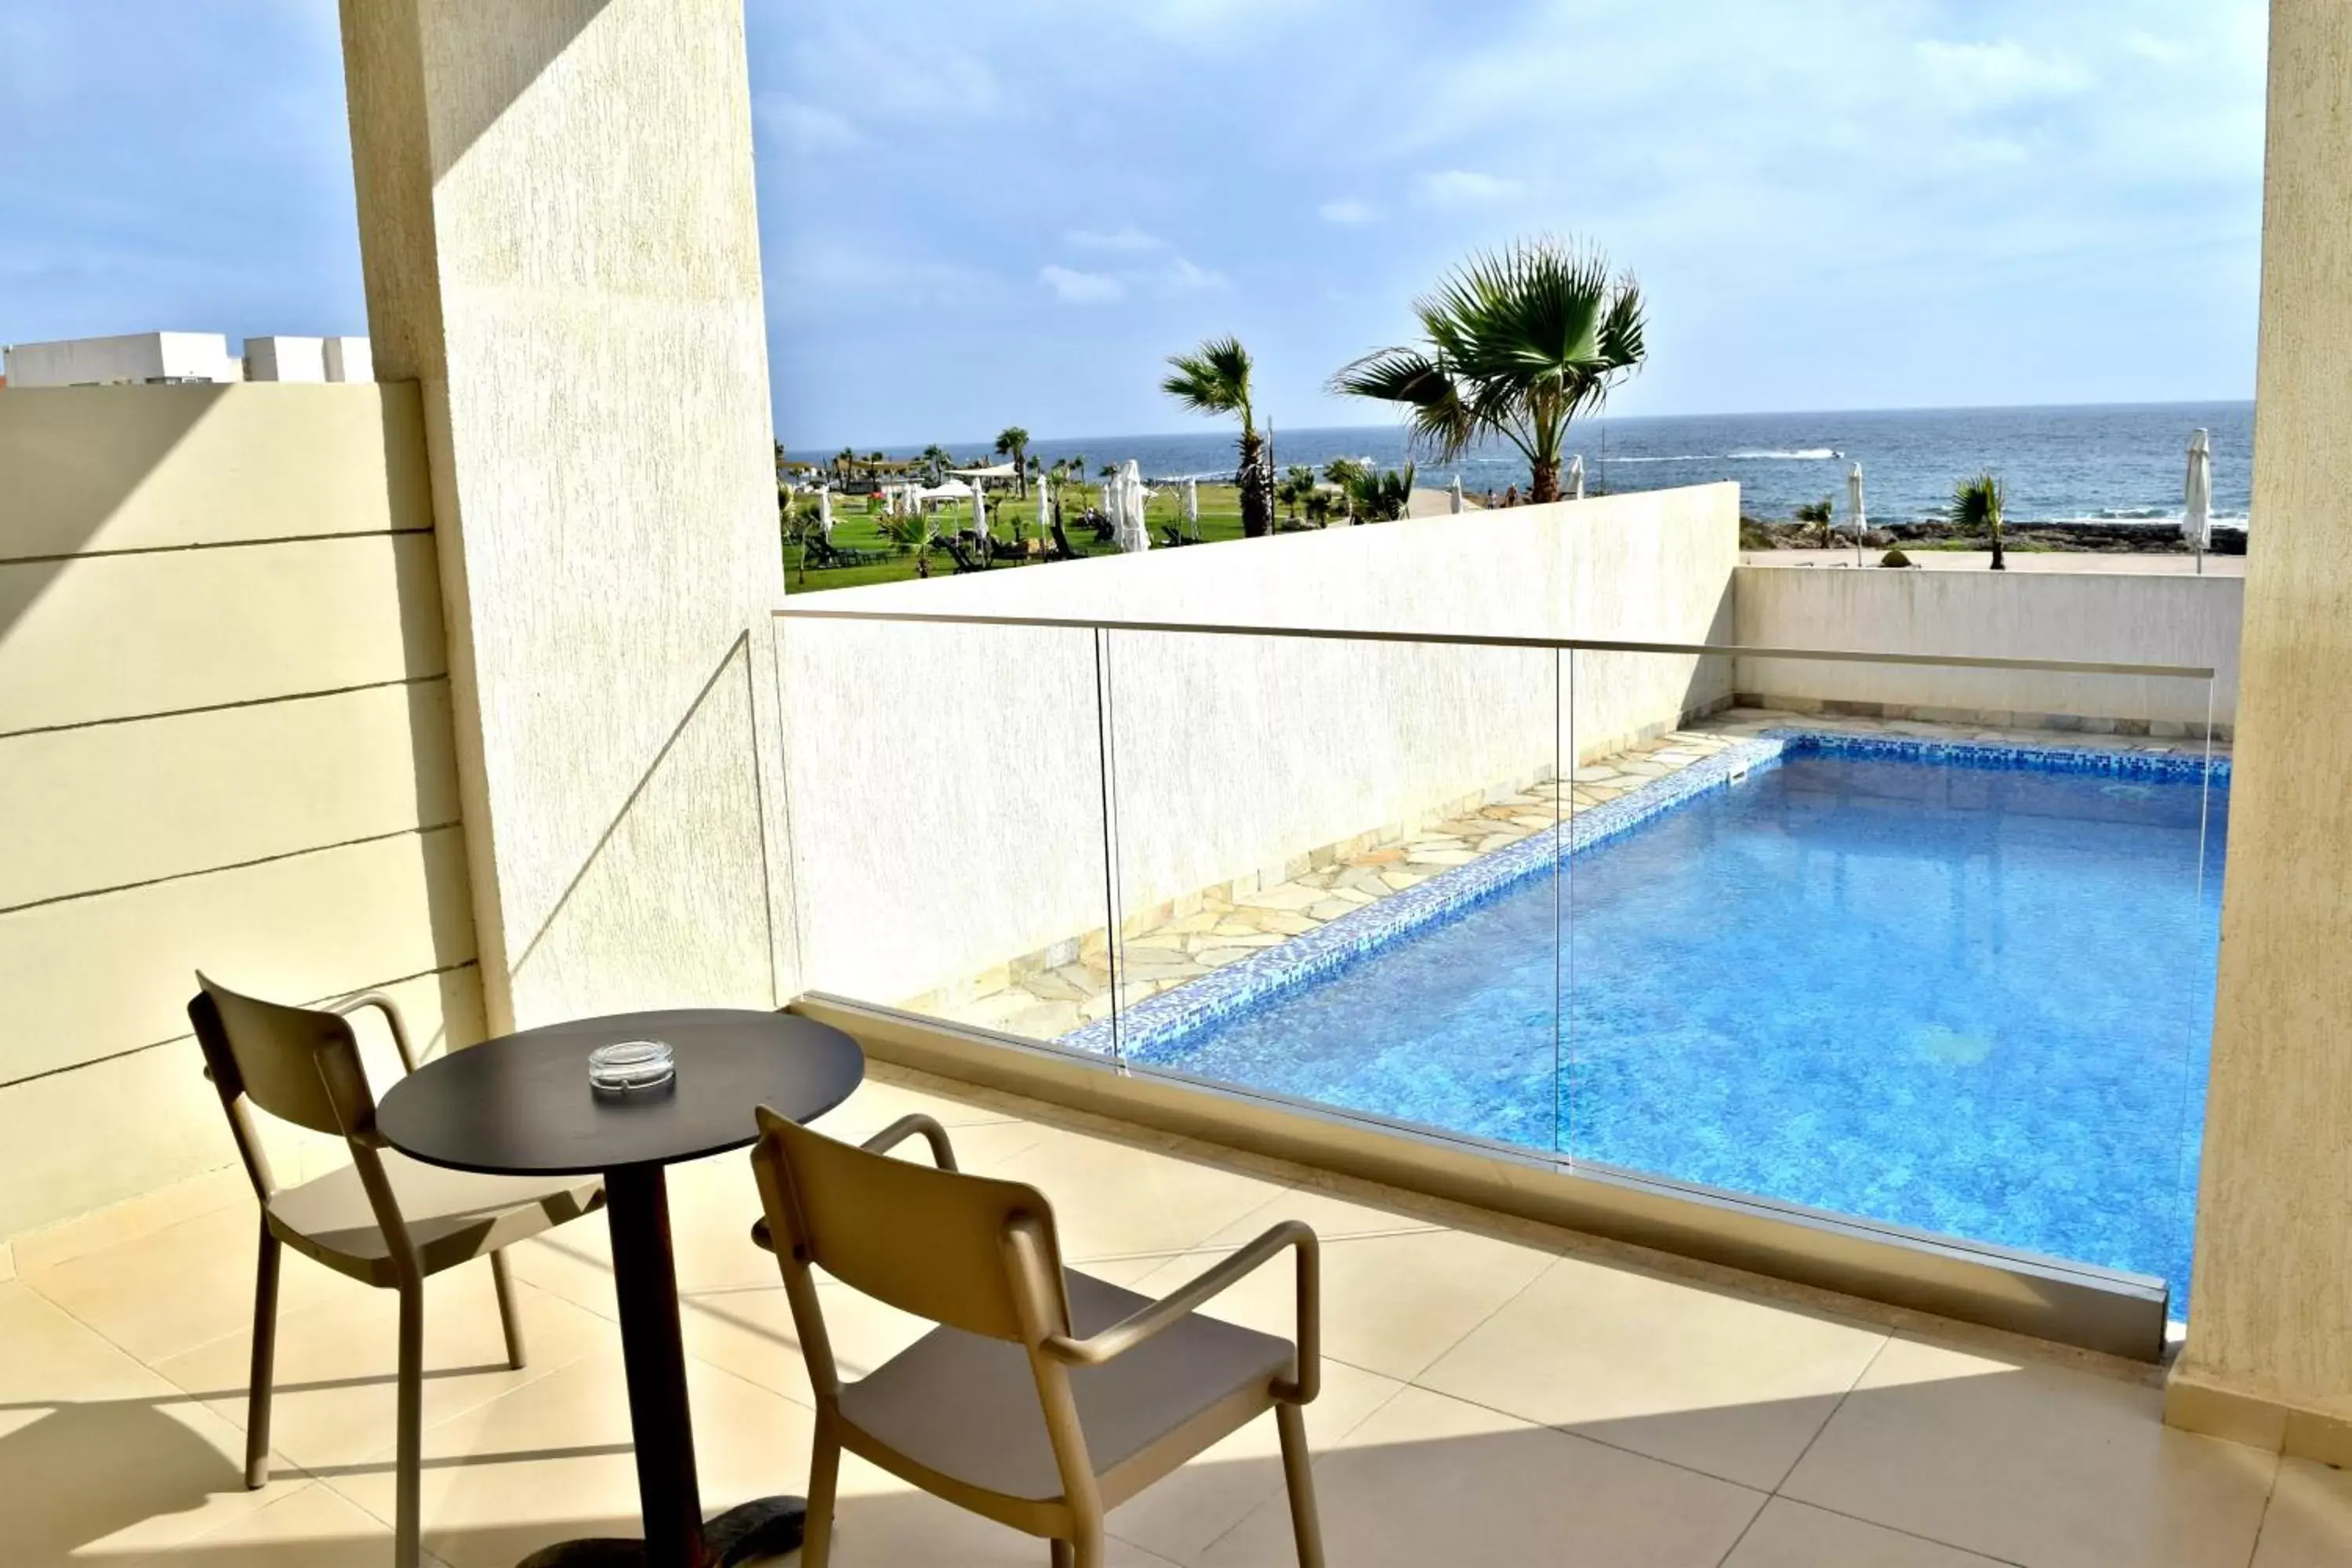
[
  {"x": 391, "y": 1011},
  {"x": 905, "y": 1127},
  {"x": 898, "y": 1133},
  {"x": 1179, "y": 1303}
]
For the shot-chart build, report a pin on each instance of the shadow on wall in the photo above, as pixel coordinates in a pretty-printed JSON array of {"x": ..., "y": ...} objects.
[
  {"x": 62, "y": 488},
  {"x": 692, "y": 785}
]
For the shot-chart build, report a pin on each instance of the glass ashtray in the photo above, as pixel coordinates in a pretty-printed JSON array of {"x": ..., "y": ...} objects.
[{"x": 626, "y": 1064}]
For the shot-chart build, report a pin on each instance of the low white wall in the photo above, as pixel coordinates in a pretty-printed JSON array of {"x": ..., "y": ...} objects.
[
  {"x": 944, "y": 783},
  {"x": 2107, "y": 617}
]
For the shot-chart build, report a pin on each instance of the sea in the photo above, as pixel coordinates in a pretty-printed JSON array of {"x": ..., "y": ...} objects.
[{"x": 2073, "y": 463}]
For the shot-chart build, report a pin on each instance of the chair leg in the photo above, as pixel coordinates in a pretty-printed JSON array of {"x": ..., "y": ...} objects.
[
  {"x": 508, "y": 1318},
  {"x": 1298, "y": 1477},
  {"x": 1060, "y": 1557},
  {"x": 265, "y": 1357},
  {"x": 1086, "y": 1551},
  {"x": 824, "y": 1476},
  {"x": 407, "y": 1464}
]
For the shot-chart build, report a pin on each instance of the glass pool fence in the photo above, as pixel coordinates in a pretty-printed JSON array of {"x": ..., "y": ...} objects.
[{"x": 1923, "y": 941}]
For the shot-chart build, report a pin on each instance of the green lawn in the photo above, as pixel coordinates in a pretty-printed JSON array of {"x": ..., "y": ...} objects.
[{"x": 854, "y": 529}]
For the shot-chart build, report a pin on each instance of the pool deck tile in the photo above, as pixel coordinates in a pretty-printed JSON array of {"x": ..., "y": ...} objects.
[{"x": 1497, "y": 1393}]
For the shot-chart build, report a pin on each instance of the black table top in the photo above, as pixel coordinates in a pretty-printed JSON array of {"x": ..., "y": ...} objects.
[{"x": 522, "y": 1105}]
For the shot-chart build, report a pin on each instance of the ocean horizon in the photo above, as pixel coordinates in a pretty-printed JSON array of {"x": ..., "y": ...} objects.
[{"x": 2058, "y": 463}]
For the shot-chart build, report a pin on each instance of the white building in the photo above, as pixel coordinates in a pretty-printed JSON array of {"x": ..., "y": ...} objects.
[
  {"x": 186, "y": 356},
  {"x": 139, "y": 357},
  {"x": 284, "y": 358}
]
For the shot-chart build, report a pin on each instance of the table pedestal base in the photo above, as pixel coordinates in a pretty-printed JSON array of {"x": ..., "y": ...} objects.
[{"x": 764, "y": 1526}]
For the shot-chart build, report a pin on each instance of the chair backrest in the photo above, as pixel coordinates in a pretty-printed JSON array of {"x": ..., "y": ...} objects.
[
  {"x": 298, "y": 1064},
  {"x": 926, "y": 1241}
]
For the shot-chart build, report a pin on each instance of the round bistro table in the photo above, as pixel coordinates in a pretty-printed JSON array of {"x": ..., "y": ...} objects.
[{"x": 521, "y": 1105}]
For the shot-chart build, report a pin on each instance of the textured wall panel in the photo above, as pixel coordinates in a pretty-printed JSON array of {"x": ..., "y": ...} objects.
[
  {"x": 96, "y": 976},
  {"x": 156, "y": 468},
  {"x": 110, "y": 804},
  {"x": 123, "y": 636}
]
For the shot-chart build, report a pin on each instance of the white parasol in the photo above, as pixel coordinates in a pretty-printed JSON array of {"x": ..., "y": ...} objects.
[
  {"x": 1576, "y": 477},
  {"x": 1453, "y": 495},
  {"x": 1856, "y": 518},
  {"x": 2197, "y": 517},
  {"x": 1133, "y": 534}
]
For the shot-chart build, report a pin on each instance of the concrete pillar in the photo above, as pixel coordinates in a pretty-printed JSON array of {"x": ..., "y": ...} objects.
[
  {"x": 558, "y": 234},
  {"x": 2269, "y": 1356}
]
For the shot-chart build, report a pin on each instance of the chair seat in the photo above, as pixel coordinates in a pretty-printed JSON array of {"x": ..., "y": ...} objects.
[
  {"x": 453, "y": 1215},
  {"x": 967, "y": 1406}
]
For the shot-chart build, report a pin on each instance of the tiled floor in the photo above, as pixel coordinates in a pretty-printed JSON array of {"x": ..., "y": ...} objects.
[{"x": 1494, "y": 1393}]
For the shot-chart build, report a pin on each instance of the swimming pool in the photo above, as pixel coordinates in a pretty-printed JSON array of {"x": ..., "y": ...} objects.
[{"x": 1963, "y": 989}]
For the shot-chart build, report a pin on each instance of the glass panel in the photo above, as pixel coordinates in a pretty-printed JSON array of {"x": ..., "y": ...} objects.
[
  {"x": 1335, "y": 867},
  {"x": 1921, "y": 944},
  {"x": 943, "y": 801}
]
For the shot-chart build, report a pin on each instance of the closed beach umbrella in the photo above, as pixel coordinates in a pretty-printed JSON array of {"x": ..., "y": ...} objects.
[
  {"x": 2196, "y": 518},
  {"x": 1133, "y": 535},
  {"x": 1453, "y": 495},
  {"x": 1192, "y": 508},
  {"x": 980, "y": 512},
  {"x": 1854, "y": 515},
  {"x": 1576, "y": 477},
  {"x": 824, "y": 513}
]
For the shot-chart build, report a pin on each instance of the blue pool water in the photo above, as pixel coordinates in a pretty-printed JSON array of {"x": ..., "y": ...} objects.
[{"x": 1963, "y": 991}]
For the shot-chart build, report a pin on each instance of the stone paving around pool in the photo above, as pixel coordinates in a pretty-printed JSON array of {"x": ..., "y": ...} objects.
[{"x": 1043, "y": 995}]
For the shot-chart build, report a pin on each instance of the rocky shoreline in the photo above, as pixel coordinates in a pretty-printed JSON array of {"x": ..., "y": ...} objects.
[{"x": 2084, "y": 538}]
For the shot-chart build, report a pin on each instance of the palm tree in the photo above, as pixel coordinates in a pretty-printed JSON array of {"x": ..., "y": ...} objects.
[
  {"x": 935, "y": 457},
  {"x": 842, "y": 460},
  {"x": 1976, "y": 509},
  {"x": 1013, "y": 442},
  {"x": 1297, "y": 484},
  {"x": 1371, "y": 494},
  {"x": 1520, "y": 341},
  {"x": 1215, "y": 379}
]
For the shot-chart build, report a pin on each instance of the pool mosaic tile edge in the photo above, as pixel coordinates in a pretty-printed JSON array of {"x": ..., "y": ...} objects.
[{"x": 1172, "y": 1017}]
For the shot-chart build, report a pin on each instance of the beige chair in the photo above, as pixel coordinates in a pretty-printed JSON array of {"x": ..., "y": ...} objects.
[
  {"x": 1046, "y": 1398},
  {"x": 385, "y": 1220}
]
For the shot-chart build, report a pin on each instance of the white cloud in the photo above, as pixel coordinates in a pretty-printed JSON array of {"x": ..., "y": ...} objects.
[
  {"x": 1990, "y": 76},
  {"x": 1126, "y": 236},
  {"x": 1184, "y": 277},
  {"x": 897, "y": 68},
  {"x": 1347, "y": 209},
  {"x": 1465, "y": 187},
  {"x": 1076, "y": 288},
  {"x": 818, "y": 271},
  {"x": 2148, "y": 47},
  {"x": 803, "y": 127}
]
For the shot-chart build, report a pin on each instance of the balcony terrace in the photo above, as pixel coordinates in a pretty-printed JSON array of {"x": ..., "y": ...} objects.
[{"x": 1494, "y": 1390}]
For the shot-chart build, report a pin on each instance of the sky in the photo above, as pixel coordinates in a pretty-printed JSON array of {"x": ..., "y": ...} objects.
[{"x": 997, "y": 212}]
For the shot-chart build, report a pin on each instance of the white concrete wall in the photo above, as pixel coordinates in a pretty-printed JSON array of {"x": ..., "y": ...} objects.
[
  {"x": 225, "y": 741},
  {"x": 286, "y": 358},
  {"x": 944, "y": 783},
  {"x": 132, "y": 357},
  {"x": 559, "y": 241},
  {"x": 2106, "y": 617},
  {"x": 2269, "y": 1354}
]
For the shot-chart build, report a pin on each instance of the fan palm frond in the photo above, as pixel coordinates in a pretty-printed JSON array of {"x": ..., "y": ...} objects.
[
  {"x": 1518, "y": 342},
  {"x": 1212, "y": 379}
]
